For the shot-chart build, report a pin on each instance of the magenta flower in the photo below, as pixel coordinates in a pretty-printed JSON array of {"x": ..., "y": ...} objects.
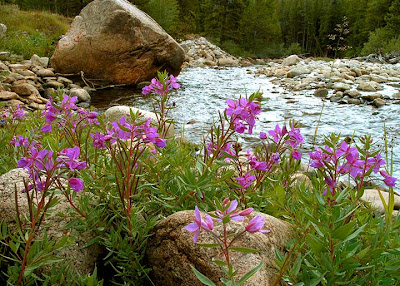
[
  {"x": 388, "y": 180},
  {"x": 277, "y": 133},
  {"x": 36, "y": 159},
  {"x": 246, "y": 180},
  {"x": 256, "y": 225},
  {"x": 263, "y": 135},
  {"x": 296, "y": 155},
  {"x": 231, "y": 211},
  {"x": 76, "y": 184},
  {"x": 68, "y": 158},
  {"x": 242, "y": 111},
  {"x": 198, "y": 224}
]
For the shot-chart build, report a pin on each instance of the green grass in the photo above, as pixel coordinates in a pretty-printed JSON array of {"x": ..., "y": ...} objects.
[{"x": 31, "y": 32}]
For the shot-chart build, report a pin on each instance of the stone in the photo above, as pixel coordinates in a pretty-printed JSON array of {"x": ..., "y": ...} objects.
[
  {"x": 369, "y": 86},
  {"x": 171, "y": 251},
  {"x": 82, "y": 259},
  {"x": 40, "y": 61},
  {"x": 341, "y": 86},
  {"x": 8, "y": 95},
  {"x": 64, "y": 80},
  {"x": 4, "y": 56},
  {"x": 353, "y": 93},
  {"x": 19, "y": 66},
  {"x": 45, "y": 73},
  {"x": 116, "y": 112},
  {"x": 291, "y": 60},
  {"x": 396, "y": 96},
  {"x": 371, "y": 97},
  {"x": 355, "y": 101},
  {"x": 114, "y": 41},
  {"x": 24, "y": 89},
  {"x": 321, "y": 92},
  {"x": 25, "y": 73},
  {"x": 378, "y": 102},
  {"x": 82, "y": 94},
  {"x": 54, "y": 84},
  {"x": 228, "y": 62},
  {"x": 3, "y": 30},
  {"x": 372, "y": 196},
  {"x": 297, "y": 71}
]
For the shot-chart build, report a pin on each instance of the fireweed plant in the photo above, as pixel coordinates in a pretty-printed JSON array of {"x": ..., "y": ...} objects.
[
  {"x": 161, "y": 87},
  {"x": 120, "y": 178},
  {"x": 225, "y": 213}
]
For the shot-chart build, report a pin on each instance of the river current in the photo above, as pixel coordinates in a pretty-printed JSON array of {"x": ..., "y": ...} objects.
[{"x": 204, "y": 92}]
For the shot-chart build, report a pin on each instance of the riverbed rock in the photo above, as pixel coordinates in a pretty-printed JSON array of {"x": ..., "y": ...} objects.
[
  {"x": 114, "y": 41},
  {"x": 321, "y": 92},
  {"x": 341, "y": 86},
  {"x": 372, "y": 196},
  {"x": 171, "y": 251},
  {"x": 378, "y": 102},
  {"x": 82, "y": 259},
  {"x": 3, "y": 30},
  {"x": 82, "y": 94},
  {"x": 45, "y": 72},
  {"x": 40, "y": 61},
  {"x": 291, "y": 60},
  {"x": 24, "y": 89},
  {"x": 371, "y": 96},
  {"x": 116, "y": 112},
  {"x": 369, "y": 86},
  {"x": 8, "y": 95},
  {"x": 298, "y": 71}
]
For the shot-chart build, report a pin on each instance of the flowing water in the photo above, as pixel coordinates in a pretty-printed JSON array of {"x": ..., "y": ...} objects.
[{"x": 204, "y": 92}]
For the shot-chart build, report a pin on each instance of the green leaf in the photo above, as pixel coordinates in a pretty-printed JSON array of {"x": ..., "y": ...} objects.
[
  {"x": 219, "y": 262},
  {"x": 244, "y": 249},
  {"x": 344, "y": 231},
  {"x": 208, "y": 244},
  {"x": 354, "y": 234},
  {"x": 203, "y": 279},
  {"x": 226, "y": 281},
  {"x": 249, "y": 274}
]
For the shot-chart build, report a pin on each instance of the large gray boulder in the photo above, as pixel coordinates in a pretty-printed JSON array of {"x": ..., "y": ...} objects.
[{"x": 114, "y": 41}]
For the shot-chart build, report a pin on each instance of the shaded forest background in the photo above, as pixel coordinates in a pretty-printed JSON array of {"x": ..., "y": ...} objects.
[{"x": 269, "y": 28}]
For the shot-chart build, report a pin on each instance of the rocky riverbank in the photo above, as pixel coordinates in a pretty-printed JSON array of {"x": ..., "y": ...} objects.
[
  {"x": 201, "y": 53},
  {"x": 30, "y": 83},
  {"x": 343, "y": 81}
]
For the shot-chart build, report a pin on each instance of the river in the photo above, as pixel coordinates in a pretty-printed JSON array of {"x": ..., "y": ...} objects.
[{"x": 204, "y": 91}]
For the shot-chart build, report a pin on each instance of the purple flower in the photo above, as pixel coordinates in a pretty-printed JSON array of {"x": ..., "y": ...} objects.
[
  {"x": 263, "y": 135},
  {"x": 36, "y": 159},
  {"x": 75, "y": 184},
  {"x": 275, "y": 158},
  {"x": 388, "y": 180},
  {"x": 68, "y": 157},
  {"x": 277, "y": 133},
  {"x": 256, "y": 225},
  {"x": 296, "y": 154},
  {"x": 198, "y": 224},
  {"x": 242, "y": 111},
  {"x": 231, "y": 211},
  {"x": 246, "y": 180}
]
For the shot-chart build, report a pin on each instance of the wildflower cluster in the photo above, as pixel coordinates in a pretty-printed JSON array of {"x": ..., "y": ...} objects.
[
  {"x": 225, "y": 212},
  {"x": 262, "y": 163},
  {"x": 11, "y": 114},
  {"x": 335, "y": 160},
  {"x": 45, "y": 169},
  {"x": 67, "y": 115},
  {"x": 122, "y": 130},
  {"x": 160, "y": 86},
  {"x": 243, "y": 114}
]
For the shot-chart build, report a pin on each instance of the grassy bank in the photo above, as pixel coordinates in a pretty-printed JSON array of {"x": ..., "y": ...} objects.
[{"x": 31, "y": 32}]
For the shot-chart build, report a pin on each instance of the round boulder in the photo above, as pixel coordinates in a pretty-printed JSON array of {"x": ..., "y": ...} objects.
[
  {"x": 171, "y": 251},
  {"x": 114, "y": 41}
]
